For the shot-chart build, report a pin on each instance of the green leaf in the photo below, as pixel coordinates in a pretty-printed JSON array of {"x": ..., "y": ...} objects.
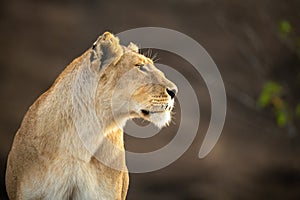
[
  {"x": 264, "y": 99},
  {"x": 270, "y": 90},
  {"x": 281, "y": 118},
  {"x": 285, "y": 27}
]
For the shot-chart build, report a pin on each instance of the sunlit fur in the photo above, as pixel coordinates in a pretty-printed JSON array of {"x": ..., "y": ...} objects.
[{"x": 53, "y": 155}]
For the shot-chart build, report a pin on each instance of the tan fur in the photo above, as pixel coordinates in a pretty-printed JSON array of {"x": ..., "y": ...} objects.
[{"x": 54, "y": 153}]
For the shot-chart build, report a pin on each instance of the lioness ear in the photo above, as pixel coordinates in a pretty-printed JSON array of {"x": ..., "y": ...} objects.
[
  {"x": 133, "y": 47},
  {"x": 105, "y": 51}
]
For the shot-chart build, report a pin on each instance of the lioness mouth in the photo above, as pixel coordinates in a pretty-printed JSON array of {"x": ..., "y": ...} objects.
[{"x": 147, "y": 112}]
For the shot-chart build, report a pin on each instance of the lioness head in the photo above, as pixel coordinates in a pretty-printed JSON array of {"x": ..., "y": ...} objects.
[{"x": 130, "y": 84}]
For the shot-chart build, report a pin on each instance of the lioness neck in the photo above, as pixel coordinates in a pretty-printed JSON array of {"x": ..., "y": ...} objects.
[{"x": 85, "y": 124}]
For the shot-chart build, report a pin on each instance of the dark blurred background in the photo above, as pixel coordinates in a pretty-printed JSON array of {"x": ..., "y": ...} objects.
[{"x": 255, "y": 44}]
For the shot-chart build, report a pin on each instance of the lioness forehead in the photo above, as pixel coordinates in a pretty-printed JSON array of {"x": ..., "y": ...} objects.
[
  {"x": 142, "y": 58},
  {"x": 138, "y": 58}
]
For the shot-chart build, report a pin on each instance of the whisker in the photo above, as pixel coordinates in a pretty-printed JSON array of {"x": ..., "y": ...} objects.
[
  {"x": 140, "y": 48},
  {"x": 147, "y": 53},
  {"x": 155, "y": 57},
  {"x": 143, "y": 52},
  {"x": 156, "y": 60},
  {"x": 150, "y": 53},
  {"x": 173, "y": 122},
  {"x": 173, "y": 119}
]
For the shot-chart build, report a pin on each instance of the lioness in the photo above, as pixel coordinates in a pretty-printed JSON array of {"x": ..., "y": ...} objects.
[{"x": 53, "y": 155}]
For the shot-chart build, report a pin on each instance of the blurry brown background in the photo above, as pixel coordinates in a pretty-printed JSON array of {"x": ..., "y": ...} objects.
[{"x": 254, "y": 159}]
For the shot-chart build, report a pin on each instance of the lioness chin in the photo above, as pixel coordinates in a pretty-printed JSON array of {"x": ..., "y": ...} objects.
[{"x": 54, "y": 153}]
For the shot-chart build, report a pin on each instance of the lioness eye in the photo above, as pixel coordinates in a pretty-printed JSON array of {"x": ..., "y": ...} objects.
[{"x": 141, "y": 67}]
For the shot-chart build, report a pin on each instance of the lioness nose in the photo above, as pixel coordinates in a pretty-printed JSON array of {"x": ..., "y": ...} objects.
[{"x": 171, "y": 92}]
